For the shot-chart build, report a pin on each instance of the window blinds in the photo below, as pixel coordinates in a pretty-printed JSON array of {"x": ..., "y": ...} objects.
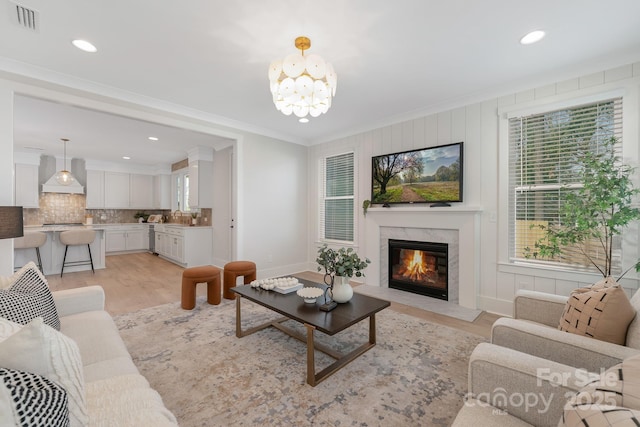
[
  {"x": 543, "y": 168},
  {"x": 337, "y": 198}
]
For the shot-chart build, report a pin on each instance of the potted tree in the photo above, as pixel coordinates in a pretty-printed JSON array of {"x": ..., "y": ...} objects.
[
  {"x": 598, "y": 211},
  {"x": 342, "y": 264}
]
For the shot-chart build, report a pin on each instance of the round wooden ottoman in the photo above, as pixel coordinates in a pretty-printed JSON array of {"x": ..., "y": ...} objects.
[
  {"x": 234, "y": 269},
  {"x": 205, "y": 274}
]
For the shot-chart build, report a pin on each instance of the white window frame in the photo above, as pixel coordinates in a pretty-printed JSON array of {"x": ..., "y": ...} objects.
[
  {"x": 178, "y": 191},
  {"x": 322, "y": 198},
  {"x": 630, "y": 154}
]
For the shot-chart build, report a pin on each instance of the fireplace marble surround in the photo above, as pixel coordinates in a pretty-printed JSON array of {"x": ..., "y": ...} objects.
[{"x": 459, "y": 227}]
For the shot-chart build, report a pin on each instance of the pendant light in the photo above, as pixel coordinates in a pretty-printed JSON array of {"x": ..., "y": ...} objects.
[
  {"x": 302, "y": 85},
  {"x": 64, "y": 177}
]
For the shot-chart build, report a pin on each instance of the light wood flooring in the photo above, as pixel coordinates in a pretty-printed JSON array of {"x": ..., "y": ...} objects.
[{"x": 135, "y": 281}]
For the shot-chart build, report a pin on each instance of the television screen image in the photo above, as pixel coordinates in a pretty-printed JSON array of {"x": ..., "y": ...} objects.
[{"x": 426, "y": 175}]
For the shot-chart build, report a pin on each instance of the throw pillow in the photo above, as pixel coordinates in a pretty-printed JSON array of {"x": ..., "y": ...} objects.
[
  {"x": 28, "y": 399},
  {"x": 40, "y": 349},
  {"x": 29, "y": 297},
  {"x": 602, "y": 311},
  {"x": 8, "y": 328},
  {"x": 612, "y": 399}
]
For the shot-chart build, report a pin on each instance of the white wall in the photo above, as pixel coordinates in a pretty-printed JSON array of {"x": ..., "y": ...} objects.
[
  {"x": 274, "y": 194},
  {"x": 478, "y": 126},
  {"x": 6, "y": 171}
]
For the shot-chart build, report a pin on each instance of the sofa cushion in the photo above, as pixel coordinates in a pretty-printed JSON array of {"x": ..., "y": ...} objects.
[
  {"x": 100, "y": 343},
  {"x": 28, "y": 399},
  {"x": 612, "y": 399},
  {"x": 40, "y": 349},
  {"x": 126, "y": 400},
  {"x": 29, "y": 297},
  {"x": 602, "y": 311}
]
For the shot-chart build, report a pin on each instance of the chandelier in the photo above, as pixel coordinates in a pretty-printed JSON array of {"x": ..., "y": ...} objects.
[
  {"x": 64, "y": 177},
  {"x": 301, "y": 84}
]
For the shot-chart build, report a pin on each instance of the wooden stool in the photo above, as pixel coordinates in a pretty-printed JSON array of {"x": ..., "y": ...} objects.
[
  {"x": 234, "y": 269},
  {"x": 205, "y": 274}
]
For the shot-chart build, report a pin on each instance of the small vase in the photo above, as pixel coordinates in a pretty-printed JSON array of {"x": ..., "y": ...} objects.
[{"x": 342, "y": 290}]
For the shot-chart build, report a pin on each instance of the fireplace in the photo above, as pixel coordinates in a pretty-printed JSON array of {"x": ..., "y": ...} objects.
[{"x": 419, "y": 267}]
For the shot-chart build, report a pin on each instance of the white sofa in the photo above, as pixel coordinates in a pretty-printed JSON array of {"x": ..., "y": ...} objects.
[{"x": 115, "y": 392}]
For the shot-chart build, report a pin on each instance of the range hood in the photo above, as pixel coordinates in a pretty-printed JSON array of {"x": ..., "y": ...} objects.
[
  {"x": 52, "y": 186},
  {"x": 48, "y": 170}
]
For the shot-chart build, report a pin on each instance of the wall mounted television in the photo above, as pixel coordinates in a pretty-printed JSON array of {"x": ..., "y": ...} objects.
[{"x": 427, "y": 175}]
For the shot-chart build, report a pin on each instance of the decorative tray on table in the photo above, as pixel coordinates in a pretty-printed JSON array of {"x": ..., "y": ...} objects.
[{"x": 283, "y": 285}]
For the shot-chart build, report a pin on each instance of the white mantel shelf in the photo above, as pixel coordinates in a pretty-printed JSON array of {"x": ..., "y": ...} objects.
[{"x": 412, "y": 209}]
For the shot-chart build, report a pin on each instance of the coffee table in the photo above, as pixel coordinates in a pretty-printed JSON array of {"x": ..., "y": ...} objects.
[{"x": 292, "y": 307}]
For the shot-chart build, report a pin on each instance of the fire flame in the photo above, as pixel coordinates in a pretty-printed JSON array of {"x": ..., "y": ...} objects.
[{"x": 416, "y": 267}]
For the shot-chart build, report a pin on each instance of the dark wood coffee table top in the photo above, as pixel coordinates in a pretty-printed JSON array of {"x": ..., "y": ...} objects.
[{"x": 291, "y": 305}]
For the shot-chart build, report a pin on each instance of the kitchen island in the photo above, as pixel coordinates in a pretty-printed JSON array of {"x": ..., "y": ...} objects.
[{"x": 52, "y": 252}]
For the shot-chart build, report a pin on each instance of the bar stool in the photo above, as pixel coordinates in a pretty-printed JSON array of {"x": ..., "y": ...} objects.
[
  {"x": 31, "y": 239},
  {"x": 77, "y": 238},
  {"x": 204, "y": 274},
  {"x": 234, "y": 269}
]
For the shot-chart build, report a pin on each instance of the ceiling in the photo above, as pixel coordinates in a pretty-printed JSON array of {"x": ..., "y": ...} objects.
[{"x": 394, "y": 59}]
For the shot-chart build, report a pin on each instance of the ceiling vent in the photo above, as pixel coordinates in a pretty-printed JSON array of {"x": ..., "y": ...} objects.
[{"x": 25, "y": 17}]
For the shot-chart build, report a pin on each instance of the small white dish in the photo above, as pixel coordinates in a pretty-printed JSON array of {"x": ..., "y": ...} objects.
[{"x": 309, "y": 295}]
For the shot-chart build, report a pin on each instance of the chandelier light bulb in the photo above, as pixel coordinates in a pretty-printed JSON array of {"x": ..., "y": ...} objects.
[
  {"x": 302, "y": 85},
  {"x": 64, "y": 177}
]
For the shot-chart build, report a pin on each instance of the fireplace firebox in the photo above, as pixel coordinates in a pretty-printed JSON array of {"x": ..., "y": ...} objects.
[{"x": 419, "y": 267}]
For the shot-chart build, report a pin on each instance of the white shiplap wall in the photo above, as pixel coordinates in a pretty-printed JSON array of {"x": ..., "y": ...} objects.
[{"x": 478, "y": 126}]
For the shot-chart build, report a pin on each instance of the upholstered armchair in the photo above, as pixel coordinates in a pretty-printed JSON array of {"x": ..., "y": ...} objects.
[
  {"x": 509, "y": 388},
  {"x": 512, "y": 389},
  {"x": 534, "y": 330}
]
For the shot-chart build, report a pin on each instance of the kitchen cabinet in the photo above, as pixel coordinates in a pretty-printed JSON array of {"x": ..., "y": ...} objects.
[
  {"x": 141, "y": 191},
  {"x": 26, "y": 186},
  {"x": 185, "y": 246},
  {"x": 95, "y": 189},
  {"x": 201, "y": 184},
  {"x": 127, "y": 238},
  {"x": 162, "y": 192},
  {"x": 116, "y": 190}
]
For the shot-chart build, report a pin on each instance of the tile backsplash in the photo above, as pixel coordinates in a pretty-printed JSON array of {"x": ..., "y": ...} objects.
[{"x": 57, "y": 208}]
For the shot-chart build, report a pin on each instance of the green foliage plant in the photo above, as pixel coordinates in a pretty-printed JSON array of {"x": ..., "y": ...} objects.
[
  {"x": 365, "y": 206},
  {"x": 597, "y": 211},
  {"x": 342, "y": 262}
]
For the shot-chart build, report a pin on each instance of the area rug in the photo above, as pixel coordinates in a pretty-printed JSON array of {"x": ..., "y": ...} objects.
[{"x": 415, "y": 375}]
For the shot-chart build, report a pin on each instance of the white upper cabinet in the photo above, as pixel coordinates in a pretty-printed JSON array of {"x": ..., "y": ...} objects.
[
  {"x": 116, "y": 190},
  {"x": 26, "y": 186},
  {"x": 95, "y": 189},
  {"x": 141, "y": 191},
  {"x": 162, "y": 192},
  {"x": 201, "y": 177}
]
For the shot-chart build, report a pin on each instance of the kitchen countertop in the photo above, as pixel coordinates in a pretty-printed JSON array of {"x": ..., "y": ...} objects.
[{"x": 62, "y": 227}]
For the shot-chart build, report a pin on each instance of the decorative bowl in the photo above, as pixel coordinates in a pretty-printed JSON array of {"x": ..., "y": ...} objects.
[{"x": 309, "y": 295}]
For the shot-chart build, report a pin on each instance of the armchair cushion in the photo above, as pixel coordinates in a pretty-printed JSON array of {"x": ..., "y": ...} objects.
[{"x": 601, "y": 311}]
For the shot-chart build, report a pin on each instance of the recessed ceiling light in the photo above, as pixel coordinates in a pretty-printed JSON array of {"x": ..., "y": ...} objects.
[
  {"x": 304, "y": 120},
  {"x": 126, "y": 157},
  {"x": 532, "y": 37},
  {"x": 153, "y": 138},
  {"x": 84, "y": 45}
]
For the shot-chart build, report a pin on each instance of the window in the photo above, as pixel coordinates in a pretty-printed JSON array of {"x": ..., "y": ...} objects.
[
  {"x": 181, "y": 191},
  {"x": 542, "y": 170},
  {"x": 337, "y": 198}
]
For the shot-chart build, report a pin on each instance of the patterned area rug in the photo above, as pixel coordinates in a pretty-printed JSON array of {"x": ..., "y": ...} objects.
[{"x": 415, "y": 375}]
